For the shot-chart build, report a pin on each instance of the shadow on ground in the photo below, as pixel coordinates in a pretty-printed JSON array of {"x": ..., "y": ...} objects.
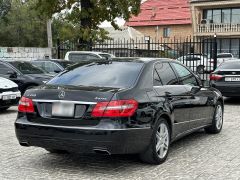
[{"x": 232, "y": 101}]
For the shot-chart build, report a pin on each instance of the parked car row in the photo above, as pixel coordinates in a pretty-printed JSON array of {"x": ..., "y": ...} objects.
[{"x": 201, "y": 63}]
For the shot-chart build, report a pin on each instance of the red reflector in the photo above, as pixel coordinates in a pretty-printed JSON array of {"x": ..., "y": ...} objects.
[
  {"x": 120, "y": 108},
  {"x": 26, "y": 105},
  {"x": 215, "y": 77}
]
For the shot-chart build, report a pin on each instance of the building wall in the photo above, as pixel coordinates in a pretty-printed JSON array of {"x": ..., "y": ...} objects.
[
  {"x": 177, "y": 31},
  {"x": 22, "y": 53}
]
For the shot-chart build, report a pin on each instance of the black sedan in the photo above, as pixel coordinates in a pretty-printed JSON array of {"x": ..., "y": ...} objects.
[
  {"x": 226, "y": 78},
  {"x": 53, "y": 66},
  {"x": 117, "y": 107},
  {"x": 23, "y": 73}
]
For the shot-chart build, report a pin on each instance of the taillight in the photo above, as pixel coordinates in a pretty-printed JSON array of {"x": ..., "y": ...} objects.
[
  {"x": 119, "y": 108},
  {"x": 215, "y": 77},
  {"x": 26, "y": 105}
]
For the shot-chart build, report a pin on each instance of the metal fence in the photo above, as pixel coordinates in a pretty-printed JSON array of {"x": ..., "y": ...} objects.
[{"x": 199, "y": 54}]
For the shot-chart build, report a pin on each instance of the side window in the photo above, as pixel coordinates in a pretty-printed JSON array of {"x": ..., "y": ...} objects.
[
  {"x": 51, "y": 67},
  {"x": 185, "y": 76},
  {"x": 4, "y": 69},
  {"x": 166, "y": 74},
  {"x": 91, "y": 56},
  {"x": 156, "y": 79}
]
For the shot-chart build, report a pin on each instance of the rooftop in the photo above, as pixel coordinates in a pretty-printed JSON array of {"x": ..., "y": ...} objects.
[{"x": 162, "y": 12}]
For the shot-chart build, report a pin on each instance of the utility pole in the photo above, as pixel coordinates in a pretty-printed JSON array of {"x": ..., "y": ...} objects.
[{"x": 49, "y": 33}]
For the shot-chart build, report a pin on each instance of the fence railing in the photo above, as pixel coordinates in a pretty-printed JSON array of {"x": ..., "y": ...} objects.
[
  {"x": 218, "y": 28},
  {"x": 198, "y": 54}
]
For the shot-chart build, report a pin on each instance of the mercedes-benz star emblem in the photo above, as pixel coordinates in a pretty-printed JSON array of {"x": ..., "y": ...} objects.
[{"x": 61, "y": 95}]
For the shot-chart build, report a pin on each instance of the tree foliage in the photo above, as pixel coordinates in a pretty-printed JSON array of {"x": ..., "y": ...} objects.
[
  {"x": 23, "y": 26},
  {"x": 100, "y": 10}
]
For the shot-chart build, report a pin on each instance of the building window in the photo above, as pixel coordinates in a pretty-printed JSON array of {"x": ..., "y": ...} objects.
[
  {"x": 226, "y": 15},
  {"x": 166, "y": 32}
]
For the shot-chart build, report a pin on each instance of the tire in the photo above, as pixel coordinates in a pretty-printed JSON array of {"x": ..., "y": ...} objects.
[
  {"x": 56, "y": 151},
  {"x": 4, "y": 109},
  {"x": 217, "y": 122},
  {"x": 158, "y": 149},
  {"x": 200, "y": 69}
]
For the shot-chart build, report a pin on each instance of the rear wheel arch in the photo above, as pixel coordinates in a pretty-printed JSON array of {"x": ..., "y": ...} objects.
[{"x": 167, "y": 118}]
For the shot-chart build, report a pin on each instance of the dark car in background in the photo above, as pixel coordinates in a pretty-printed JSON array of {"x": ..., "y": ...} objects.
[
  {"x": 53, "y": 66},
  {"x": 23, "y": 73},
  {"x": 134, "y": 106},
  {"x": 226, "y": 78}
]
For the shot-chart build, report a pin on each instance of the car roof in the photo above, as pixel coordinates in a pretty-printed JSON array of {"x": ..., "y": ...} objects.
[
  {"x": 53, "y": 60},
  {"x": 87, "y": 52},
  {"x": 132, "y": 59},
  {"x": 232, "y": 61}
]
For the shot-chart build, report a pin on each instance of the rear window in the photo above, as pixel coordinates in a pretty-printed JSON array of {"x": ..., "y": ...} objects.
[
  {"x": 230, "y": 65},
  {"x": 224, "y": 56},
  {"x": 109, "y": 74},
  {"x": 76, "y": 57},
  {"x": 65, "y": 64}
]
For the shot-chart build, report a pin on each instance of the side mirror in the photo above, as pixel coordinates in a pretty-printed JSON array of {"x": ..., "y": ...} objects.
[{"x": 12, "y": 74}]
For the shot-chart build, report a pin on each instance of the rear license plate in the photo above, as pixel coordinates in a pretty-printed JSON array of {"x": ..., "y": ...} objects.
[
  {"x": 63, "y": 109},
  {"x": 232, "y": 79},
  {"x": 9, "y": 97}
]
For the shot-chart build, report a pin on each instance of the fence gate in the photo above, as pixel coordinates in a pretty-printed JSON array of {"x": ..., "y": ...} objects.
[{"x": 200, "y": 54}]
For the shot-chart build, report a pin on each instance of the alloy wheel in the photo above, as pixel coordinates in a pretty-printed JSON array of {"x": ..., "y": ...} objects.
[
  {"x": 219, "y": 117},
  {"x": 162, "y": 140}
]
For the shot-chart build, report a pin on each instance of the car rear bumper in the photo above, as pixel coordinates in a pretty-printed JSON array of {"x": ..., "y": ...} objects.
[
  {"x": 228, "y": 90},
  {"x": 82, "y": 139},
  {"x": 9, "y": 102}
]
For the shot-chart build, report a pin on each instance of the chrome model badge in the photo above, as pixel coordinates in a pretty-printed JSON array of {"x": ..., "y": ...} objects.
[{"x": 61, "y": 95}]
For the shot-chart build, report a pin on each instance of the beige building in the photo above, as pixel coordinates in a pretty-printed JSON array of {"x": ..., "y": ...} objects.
[
  {"x": 164, "y": 19},
  {"x": 220, "y": 18}
]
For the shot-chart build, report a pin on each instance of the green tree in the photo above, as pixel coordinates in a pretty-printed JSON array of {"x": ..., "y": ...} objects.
[
  {"x": 91, "y": 15},
  {"x": 23, "y": 26}
]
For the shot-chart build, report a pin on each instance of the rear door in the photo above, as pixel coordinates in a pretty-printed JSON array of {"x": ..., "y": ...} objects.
[
  {"x": 167, "y": 86},
  {"x": 199, "y": 98}
]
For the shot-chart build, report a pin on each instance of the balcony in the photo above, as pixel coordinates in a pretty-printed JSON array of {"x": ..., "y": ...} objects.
[{"x": 220, "y": 29}]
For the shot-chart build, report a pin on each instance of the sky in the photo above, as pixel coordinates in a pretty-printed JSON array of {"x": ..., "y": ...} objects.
[{"x": 120, "y": 21}]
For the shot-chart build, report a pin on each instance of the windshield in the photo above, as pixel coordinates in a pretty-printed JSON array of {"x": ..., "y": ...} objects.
[
  {"x": 27, "y": 68},
  {"x": 107, "y": 74}
]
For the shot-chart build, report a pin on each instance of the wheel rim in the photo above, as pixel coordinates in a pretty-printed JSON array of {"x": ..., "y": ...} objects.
[
  {"x": 219, "y": 117},
  {"x": 162, "y": 140}
]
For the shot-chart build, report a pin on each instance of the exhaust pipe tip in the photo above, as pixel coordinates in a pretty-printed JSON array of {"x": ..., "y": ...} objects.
[
  {"x": 101, "y": 151},
  {"x": 24, "y": 144}
]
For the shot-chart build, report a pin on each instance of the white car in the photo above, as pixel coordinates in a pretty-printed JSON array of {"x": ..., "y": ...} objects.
[
  {"x": 198, "y": 63},
  {"x": 78, "y": 56},
  {"x": 222, "y": 57},
  {"x": 9, "y": 94}
]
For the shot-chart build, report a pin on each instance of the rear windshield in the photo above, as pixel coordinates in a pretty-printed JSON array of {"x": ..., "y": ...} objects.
[
  {"x": 27, "y": 68},
  {"x": 110, "y": 74},
  {"x": 224, "y": 56},
  {"x": 230, "y": 65}
]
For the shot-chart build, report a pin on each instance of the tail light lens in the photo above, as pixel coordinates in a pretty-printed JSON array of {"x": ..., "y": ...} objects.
[
  {"x": 215, "y": 77},
  {"x": 120, "y": 108},
  {"x": 26, "y": 105}
]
